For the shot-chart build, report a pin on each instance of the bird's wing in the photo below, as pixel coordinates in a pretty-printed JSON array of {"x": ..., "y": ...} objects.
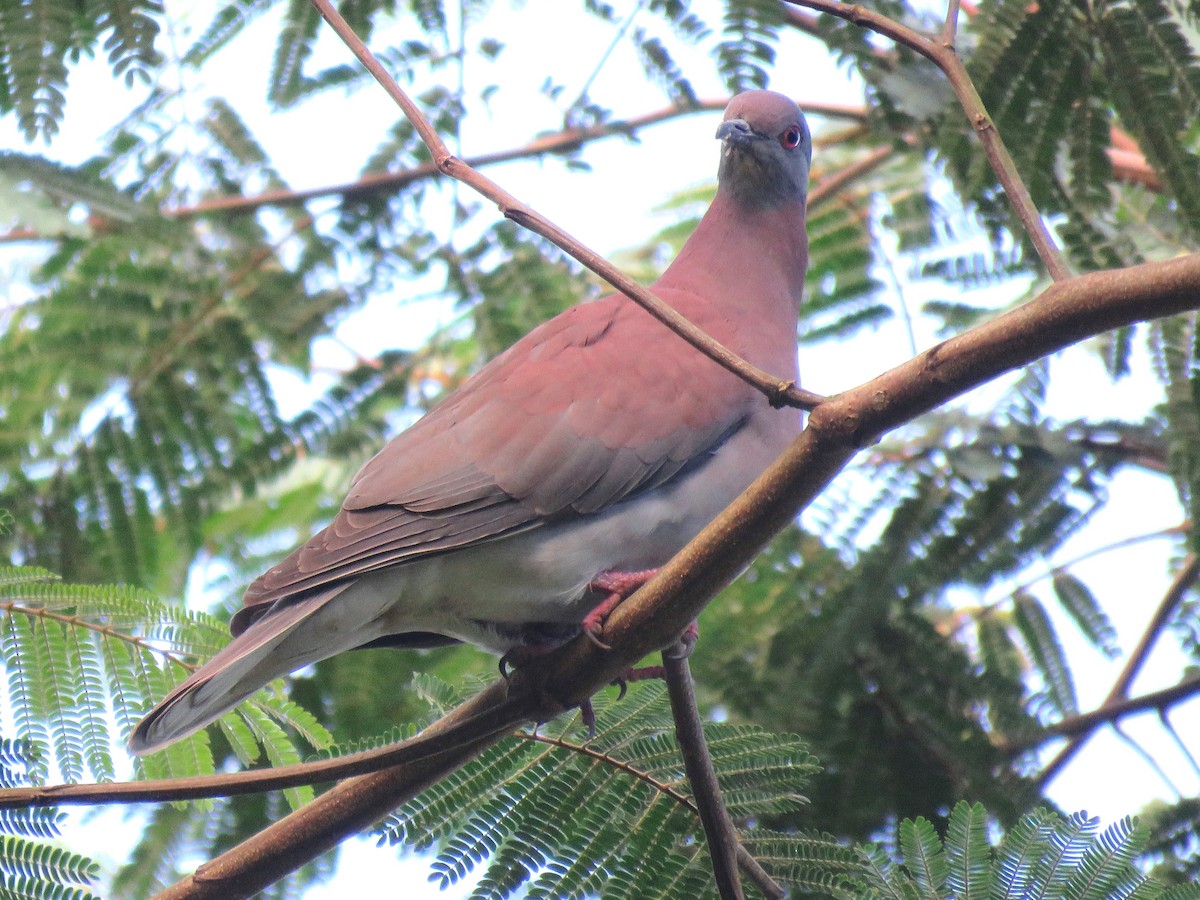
[{"x": 596, "y": 406}]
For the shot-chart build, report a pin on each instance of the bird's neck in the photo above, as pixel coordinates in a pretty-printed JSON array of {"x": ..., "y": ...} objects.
[{"x": 748, "y": 252}]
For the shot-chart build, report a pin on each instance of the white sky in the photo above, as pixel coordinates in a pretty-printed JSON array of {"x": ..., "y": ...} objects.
[{"x": 611, "y": 208}]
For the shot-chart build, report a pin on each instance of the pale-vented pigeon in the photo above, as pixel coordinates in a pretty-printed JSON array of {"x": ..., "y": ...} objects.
[{"x": 599, "y": 443}]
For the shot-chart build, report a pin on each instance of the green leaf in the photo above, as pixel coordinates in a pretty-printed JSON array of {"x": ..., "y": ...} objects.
[
  {"x": 610, "y": 814},
  {"x": 924, "y": 856},
  {"x": 968, "y": 853},
  {"x": 1083, "y": 607},
  {"x": 1046, "y": 653}
]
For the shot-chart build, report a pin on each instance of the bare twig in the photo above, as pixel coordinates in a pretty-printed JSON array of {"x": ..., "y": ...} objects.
[
  {"x": 490, "y": 714},
  {"x": 1146, "y": 757},
  {"x": 946, "y": 58},
  {"x": 1184, "y": 580},
  {"x": 950, "y": 28},
  {"x": 1086, "y": 723},
  {"x": 802, "y": 21},
  {"x": 697, "y": 763},
  {"x": 1185, "y": 751},
  {"x": 836, "y": 181},
  {"x": 778, "y": 391},
  {"x": 559, "y": 142}
]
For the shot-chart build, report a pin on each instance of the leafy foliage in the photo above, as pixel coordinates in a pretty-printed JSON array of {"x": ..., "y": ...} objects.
[
  {"x": 32, "y": 863},
  {"x": 37, "y": 40},
  {"x": 75, "y": 656},
  {"x": 559, "y": 817},
  {"x": 1043, "y": 855}
]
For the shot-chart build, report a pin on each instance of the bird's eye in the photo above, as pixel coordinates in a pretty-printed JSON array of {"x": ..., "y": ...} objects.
[{"x": 790, "y": 138}]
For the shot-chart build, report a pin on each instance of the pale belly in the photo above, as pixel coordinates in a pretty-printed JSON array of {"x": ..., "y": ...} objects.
[{"x": 518, "y": 589}]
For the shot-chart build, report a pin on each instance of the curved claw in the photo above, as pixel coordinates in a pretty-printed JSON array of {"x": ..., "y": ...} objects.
[
  {"x": 615, "y": 586},
  {"x": 593, "y": 635},
  {"x": 622, "y": 687}
]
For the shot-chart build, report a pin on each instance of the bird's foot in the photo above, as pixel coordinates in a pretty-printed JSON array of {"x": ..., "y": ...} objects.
[
  {"x": 522, "y": 654},
  {"x": 687, "y": 642},
  {"x": 683, "y": 647},
  {"x": 615, "y": 586}
]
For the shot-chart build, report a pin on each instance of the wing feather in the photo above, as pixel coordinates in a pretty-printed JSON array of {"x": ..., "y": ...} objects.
[{"x": 546, "y": 430}]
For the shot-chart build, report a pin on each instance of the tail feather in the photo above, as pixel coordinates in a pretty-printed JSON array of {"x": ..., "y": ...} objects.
[{"x": 273, "y": 646}]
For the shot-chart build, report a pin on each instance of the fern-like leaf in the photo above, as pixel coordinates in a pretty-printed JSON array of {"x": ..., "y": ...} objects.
[
  {"x": 613, "y": 814},
  {"x": 968, "y": 853}
]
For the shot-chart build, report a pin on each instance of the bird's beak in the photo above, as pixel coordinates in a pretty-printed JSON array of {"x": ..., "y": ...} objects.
[{"x": 736, "y": 133}]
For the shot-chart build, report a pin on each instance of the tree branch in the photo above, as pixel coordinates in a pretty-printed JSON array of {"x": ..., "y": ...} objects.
[
  {"x": 493, "y": 713},
  {"x": 559, "y": 142},
  {"x": 1184, "y": 580},
  {"x": 1085, "y": 723},
  {"x": 697, "y": 763},
  {"x": 1067, "y": 312},
  {"x": 947, "y": 59},
  {"x": 950, "y": 28},
  {"x": 1080, "y": 727},
  {"x": 836, "y": 181},
  {"x": 777, "y": 391}
]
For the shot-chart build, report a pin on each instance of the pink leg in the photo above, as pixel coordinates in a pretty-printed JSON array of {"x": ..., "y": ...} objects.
[
  {"x": 646, "y": 673},
  {"x": 615, "y": 586}
]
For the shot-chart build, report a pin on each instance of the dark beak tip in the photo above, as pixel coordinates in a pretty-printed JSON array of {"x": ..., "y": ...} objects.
[{"x": 736, "y": 130}]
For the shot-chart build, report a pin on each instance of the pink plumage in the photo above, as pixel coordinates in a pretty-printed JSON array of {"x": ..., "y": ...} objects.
[{"x": 600, "y": 442}]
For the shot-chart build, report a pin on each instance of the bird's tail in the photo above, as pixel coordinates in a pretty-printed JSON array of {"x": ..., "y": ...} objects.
[{"x": 277, "y": 643}]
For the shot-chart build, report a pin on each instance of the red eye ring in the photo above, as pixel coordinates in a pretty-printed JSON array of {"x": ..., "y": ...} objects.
[{"x": 790, "y": 138}]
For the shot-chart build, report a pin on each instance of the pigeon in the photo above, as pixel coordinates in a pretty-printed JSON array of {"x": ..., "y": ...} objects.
[{"x": 597, "y": 445}]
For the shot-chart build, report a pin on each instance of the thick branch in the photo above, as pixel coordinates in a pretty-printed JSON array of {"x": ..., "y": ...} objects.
[{"x": 651, "y": 618}]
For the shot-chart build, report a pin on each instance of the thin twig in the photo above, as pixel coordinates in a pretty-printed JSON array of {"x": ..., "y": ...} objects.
[
  {"x": 1086, "y": 723},
  {"x": 950, "y": 28},
  {"x": 778, "y": 391},
  {"x": 1146, "y": 757},
  {"x": 748, "y": 864},
  {"x": 947, "y": 59},
  {"x": 978, "y": 613},
  {"x": 1184, "y": 580},
  {"x": 558, "y": 142},
  {"x": 490, "y": 714},
  {"x": 617, "y": 38},
  {"x": 836, "y": 181},
  {"x": 1185, "y": 751},
  {"x": 697, "y": 763}
]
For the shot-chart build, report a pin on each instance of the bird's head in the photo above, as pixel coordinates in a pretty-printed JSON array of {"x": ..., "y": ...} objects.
[{"x": 766, "y": 150}]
